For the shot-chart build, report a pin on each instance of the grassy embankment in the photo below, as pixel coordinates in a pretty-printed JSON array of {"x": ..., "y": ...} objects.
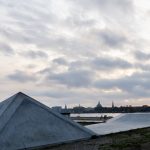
[
  {"x": 132, "y": 140},
  {"x": 138, "y": 139}
]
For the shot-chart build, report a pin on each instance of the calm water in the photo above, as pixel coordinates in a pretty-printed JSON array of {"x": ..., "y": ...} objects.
[{"x": 95, "y": 114}]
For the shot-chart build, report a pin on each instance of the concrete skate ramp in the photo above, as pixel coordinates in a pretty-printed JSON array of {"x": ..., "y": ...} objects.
[
  {"x": 26, "y": 123},
  {"x": 123, "y": 122}
]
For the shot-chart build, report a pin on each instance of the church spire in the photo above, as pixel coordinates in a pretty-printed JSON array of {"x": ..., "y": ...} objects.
[
  {"x": 65, "y": 106},
  {"x": 113, "y": 104}
]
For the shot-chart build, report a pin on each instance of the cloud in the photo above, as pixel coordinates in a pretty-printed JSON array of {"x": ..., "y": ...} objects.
[
  {"x": 124, "y": 4},
  {"x": 120, "y": 11},
  {"x": 34, "y": 54},
  {"x": 112, "y": 39},
  {"x": 141, "y": 55},
  {"x": 60, "y": 61},
  {"x": 72, "y": 44},
  {"x": 6, "y": 49},
  {"x": 21, "y": 76},
  {"x": 72, "y": 78},
  {"x": 107, "y": 63},
  {"x": 136, "y": 84},
  {"x": 78, "y": 73}
]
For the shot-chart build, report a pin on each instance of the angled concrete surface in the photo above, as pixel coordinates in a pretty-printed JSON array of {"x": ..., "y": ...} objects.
[
  {"x": 25, "y": 123},
  {"x": 123, "y": 122}
]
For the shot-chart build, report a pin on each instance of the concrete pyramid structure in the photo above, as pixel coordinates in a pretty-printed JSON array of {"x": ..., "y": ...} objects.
[
  {"x": 26, "y": 123},
  {"x": 123, "y": 122}
]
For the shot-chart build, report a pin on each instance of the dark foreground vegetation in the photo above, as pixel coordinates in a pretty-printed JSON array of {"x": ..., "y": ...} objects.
[{"x": 138, "y": 139}]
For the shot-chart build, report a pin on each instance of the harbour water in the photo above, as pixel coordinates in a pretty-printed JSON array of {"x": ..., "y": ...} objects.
[
  {"x": 95, "y": 114},
  {"x": 92, "y": 118}
]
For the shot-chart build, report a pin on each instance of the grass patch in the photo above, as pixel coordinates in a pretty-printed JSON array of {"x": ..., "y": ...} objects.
[{"x": 127, "y": 140}]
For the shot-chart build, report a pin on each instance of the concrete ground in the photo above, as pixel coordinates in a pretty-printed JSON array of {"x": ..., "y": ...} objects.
[{"x": 138, "y": 139}]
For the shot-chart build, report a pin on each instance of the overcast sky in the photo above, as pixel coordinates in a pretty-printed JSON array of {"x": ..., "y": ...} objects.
[{"x": 76, "y": 51}]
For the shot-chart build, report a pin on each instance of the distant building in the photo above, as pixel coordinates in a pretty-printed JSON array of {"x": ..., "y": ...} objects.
[
  {"x": 89, "y": 109},
  {"x": 79, "y": 109},
  {"x": 65, "y": 106},
  {"x": 99, "y": 105},
  {"x": 113, "y": 104},
  {"x": 65, "y": 112},
  {"x": 57, "y": 109}
]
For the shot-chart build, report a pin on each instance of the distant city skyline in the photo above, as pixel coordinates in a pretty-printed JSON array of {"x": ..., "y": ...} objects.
[
  {"x": 76, "y": 51},
  {"x": 112, "y": 105}
]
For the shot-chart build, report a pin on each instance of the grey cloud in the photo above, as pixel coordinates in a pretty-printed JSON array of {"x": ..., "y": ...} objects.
[
  {"x": 124, "y": 4},
  {"x": 98, "y": 64},
  {"x": 34, "y": 54},
  {"x": 59, "y": 94},
  {"x": 142, "y": 55},
  {"x": 75, "y": 65},
  {"x": 137, "y": 84},
  {"x": 37, "y": 26},
  {"x": 60, "y": 61},
  {"x": 34, "y": 31},
  {"x": 29, "y": 10},
  {"x": 68, "y": 46},
  {"x": 73, "y": 78},
  {"x": 6, "y": 49},
  {"x": 110, "y": 63},
  {"x": 36, "y": 18},
  {"x": 29, "y": 21},
  {"x": 78, "y": 20},
  {"x": 31, "y": 66},
  {"x": 117, "y": 9},
  {"x": 79, "y": 72},
  {"x": 21, "y": 76},
  {"x": 142, "y": 66},
  {"x": 111, "y": 39},
  {"x": 85, "y": 31}
]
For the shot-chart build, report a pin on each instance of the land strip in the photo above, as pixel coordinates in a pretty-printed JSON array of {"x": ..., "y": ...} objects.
[{"x": 138, "y": 139}]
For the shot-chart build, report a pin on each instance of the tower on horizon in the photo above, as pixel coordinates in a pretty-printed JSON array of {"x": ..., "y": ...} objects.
[
  {"x": 65, "y": 106},
  {"x": 113, "y": 104}
]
